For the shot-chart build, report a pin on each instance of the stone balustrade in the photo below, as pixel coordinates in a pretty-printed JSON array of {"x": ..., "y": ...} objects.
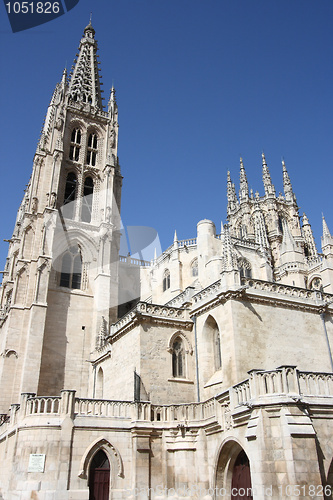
[
  {"x": 183, "y": 297},
  {"x": 147, "y": 308},
  {"x": 134, "y": 262},
  {"x": 43, "y": 405},
  {"x": 288, "y": 290},
  {"x": 284, "y": 382},
  {"x": 207, "y": 292}
]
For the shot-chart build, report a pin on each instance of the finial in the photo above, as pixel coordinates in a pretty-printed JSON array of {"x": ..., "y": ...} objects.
[
  {"x": 263, "y": 159},
  {"x": 326, "y": 231},
  {"x": 305, "y": 220},
  {"x": 175, "y": 238},
  {"x": 90, "y": 18}
]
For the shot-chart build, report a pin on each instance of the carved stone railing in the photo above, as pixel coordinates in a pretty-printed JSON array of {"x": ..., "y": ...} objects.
[
  {"x": 182, "y": 298},
  {"x": 145, "y": 308},
  {"x": 284, "y": 381},
  {"x": 187, "y": 243},
  {"x": 184, "y": 412},
  {"x": 43, "y": 405},
  {"x": 114, "y": 409},
  {"x": 287, "y": 290},
  {"x": 316, "y": 383},
  {"x": 207, "y": 292},
  {"x": 134, "y": 262}
]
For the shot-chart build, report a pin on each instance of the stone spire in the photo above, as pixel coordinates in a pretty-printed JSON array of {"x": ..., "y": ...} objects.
[
  {"x": 244, "y": 187},
  {"x": 102, "y": 334},
  {"x": 231, "y": 195},
  {"x": 288, "y": 243},
  {"x": 326, "y": 232},
  {"x": 327, "y": 238},
  {"x": 85, "y": 83},
  {"x": 112, "y": 104},
  {"x": 287, "y": 187},
  {"x": 310, "y": 245},
  {"x": 260, "y": 227},
  {"x": 229, "y": 258},
  {"x": 266, "y": 177}
]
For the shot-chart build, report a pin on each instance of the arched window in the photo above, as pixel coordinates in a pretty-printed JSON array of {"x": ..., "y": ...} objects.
[
  {"x": 71, "y": 269},
  {"x": 178, "y": 358},
  {"x": 166, "y": 280},
  {"x": 280, "y": 223},
  {"x": 88, "y": 189},
  {"x": 194, "y": 268},
  {"x": 99, "y": 383},
  {"x": 99, "y": 476},
  {"x": 316, "y": 284},
  {"x": 74, "y": 149},
  {"x": 92, "y": 150},
  {"x": 245, "y": 268},
  {"x": 70, "y": 195},
  {"x": 213, "y": 343},
  {"x": 217, "y": 349}
]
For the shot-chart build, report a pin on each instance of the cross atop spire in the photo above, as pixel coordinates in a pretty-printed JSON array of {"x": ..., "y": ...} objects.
[{"x": 85, "y": 85}]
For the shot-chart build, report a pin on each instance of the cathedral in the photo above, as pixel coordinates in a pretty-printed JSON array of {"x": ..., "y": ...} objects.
[{"x": 204, "y": 373}]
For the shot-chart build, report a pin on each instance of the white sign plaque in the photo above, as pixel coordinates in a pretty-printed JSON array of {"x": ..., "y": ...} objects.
[{"x": 36, "y": 462}]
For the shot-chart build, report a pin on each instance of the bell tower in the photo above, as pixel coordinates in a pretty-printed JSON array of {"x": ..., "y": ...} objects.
[{"x": 60, "y": 285}]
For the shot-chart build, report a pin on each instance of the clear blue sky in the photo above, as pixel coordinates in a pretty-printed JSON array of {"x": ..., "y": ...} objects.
[{"x": 198, "y": 83}]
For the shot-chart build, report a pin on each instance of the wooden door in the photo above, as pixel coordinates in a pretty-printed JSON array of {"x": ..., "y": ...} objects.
[
  {"x": 241, "y": 479},
  {"x": 99, "y": 480}
]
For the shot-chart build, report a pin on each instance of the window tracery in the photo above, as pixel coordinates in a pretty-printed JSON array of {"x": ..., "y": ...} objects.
[
  {"x": 166, "y": 280},
  {"x": 71, "y": 269},
  {"x": 92, "y": 149},
  {"x": 74, "y": 149},
  {"x": 88, "y": 189},
  {"x": 178, "y": 358}
]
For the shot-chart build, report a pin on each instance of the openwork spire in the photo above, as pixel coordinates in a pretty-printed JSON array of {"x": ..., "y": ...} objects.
[
  {"x": 85, "y": 83},
  {"x": 287, "y": 187},
  {"x": 260, "y": 227},
  {"x": 310, "y": 245},
  {"x": 244, "y": 187},
  {"x": 266, "y": 177},
  {"x": 229, "y": 261},
  {"x": 231, "y": 195}
]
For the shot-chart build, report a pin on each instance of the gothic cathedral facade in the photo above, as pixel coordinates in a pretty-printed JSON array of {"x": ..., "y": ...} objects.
[{"x": 204, "y": 373}]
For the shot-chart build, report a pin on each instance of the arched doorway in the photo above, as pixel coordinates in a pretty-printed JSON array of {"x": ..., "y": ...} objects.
[
  {"x": 99, "y": 477},
  {"x": 241, "y": 478},
  {"x": 233, "y": 471}
]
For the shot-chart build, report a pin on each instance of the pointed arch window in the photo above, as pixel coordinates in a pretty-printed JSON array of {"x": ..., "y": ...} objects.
[
  {"x": 92, "y": 150},
  {"x": 166, "y": 280},
  {"x": 245, "y": 268},
  {"x": 70, "y": 195},
  {"x": 217, "y": 349},
  {"x": 178, "y": 358},
  {"x": 74, "y": 149},
  {"x": 194, "y": 268},
  {"x": 71, "y": 269},
  {"x": 88, "y": 190}
]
